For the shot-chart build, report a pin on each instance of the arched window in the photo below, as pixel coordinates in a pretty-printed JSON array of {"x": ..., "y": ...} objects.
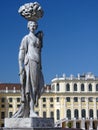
[
  {"x": 67, "y": 87},
  {"x": 90, "y": 113},
  {"x": 76, "y": 114},
  {"x": 69, "y": 114},
  {"x": 57, "y": 87},
  {"x": 83, "y": 113},
  {"x": 75, "y": 87},
  {"x": 90, "y": 87},
  {"x": 58, "y": 114},
  {"x": 96, "y": 87},
  {"x": 82, "y": 87}
]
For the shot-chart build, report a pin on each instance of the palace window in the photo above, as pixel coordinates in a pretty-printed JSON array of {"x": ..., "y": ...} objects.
[
  {"x": 82, "y": 87},
  {"x": 67, "y": 87},
  {"x": 97, "y": 99},
  {"x": 58, "y": 114},
  {"x": 18, "y": 99},
  {"x": 44, "y": 114},
  {"x": 90, "y": 113},
  {"x": 83, "y": 113},
  {"x": 68, "y": 114},
  {"x": 75, "y": 99},
  {"x": 3, "y": 99},
  {"x": 57, "y": 99},
  {"x": 44, "y": 105},
  {"x": 90, "y": 99},
  {"x": 2, "y": 115},
  {"x": 44, "y": 99},
  {"x": 78, "y": 124},
  {"x": 57, "y": 87},
  {"x": 51, "y": 99},
  {"x": 10, "y": 114},
  {"x": 52, "y": 114},
  {"x": 82, "y": 99},
  {"x": 10, "y": 106},
  {"x": 2, "y": 105},
  {"x": 10, "y": 99},
  {"x": 67, "y": 99},
  {"x": 51, "y": 105},
  {"x": 75, "y": 87},
  {"x": 18, "y": 105},
  {"x": 96, "y": 87},
  {"x": 90, "y": 87},
  {"x": 76, "y": 113}
]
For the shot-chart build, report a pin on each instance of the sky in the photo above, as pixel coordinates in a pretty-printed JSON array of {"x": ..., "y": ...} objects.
[{"x": 70, "y": 44}]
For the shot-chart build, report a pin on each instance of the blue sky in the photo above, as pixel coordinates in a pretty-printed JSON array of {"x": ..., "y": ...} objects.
[{"x": 70, "y": 37}]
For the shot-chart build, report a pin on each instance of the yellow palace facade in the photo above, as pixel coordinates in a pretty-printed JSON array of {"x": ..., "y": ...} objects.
[{"x": 66, "y": 98}]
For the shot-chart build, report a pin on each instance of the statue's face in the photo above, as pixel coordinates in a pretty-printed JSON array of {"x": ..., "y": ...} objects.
[{"x": 32, "y": 26}]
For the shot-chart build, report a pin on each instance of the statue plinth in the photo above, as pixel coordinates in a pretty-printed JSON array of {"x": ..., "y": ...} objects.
[{"x": 34, "y": 122}]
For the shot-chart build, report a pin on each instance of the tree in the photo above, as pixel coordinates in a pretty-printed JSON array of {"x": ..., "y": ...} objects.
[{"x": 69, "y": 124}]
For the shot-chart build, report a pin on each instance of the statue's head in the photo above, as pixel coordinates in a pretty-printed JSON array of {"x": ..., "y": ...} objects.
[{"x": 32, "y": 25}]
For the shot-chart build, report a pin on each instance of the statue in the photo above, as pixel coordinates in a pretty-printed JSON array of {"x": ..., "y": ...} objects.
[{"x": 30, "y": 69}]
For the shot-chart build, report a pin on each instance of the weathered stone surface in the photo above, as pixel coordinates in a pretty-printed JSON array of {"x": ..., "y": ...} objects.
[
  {"x": 31, "y": 11},
  {"x": 29, "y": 123},
  {"x": 39, "y": 129}
]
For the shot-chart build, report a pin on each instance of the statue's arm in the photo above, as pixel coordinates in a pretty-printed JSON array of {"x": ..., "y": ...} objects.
[
  {"x": 21, "y": 56},
  {"x": 39, "y": 34}
]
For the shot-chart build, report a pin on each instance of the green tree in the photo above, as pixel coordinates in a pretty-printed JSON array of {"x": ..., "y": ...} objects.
[{"x": 69, "y": 124}]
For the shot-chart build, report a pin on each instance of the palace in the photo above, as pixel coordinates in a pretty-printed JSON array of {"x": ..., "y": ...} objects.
[{"x": 66, "y": 99}]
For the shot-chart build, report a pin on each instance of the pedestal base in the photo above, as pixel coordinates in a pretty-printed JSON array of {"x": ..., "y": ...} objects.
[
  {"x": 34, "y": 122},
  {"x": 33, "y": 129}
]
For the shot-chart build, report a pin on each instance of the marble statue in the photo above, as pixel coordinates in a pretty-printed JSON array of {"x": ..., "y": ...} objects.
[{"x": 30, "y": 69}]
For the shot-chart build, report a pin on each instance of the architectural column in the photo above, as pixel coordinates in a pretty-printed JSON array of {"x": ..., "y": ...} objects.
[
  {"x": 48, "y": 107},
  {"x": 40, "y": 108},
  {"x": 86, "y": 87},
  {"x": 95, "y": 111},
  {"x": 62, "y": 107},
  {"x": 91, "y": 124},
  {"x": 87, "y": 108},
  {"x": 74, "y": 123},
  {"x": 14, "y": 105},
  {"x": 79, "y": 107},
  {"x": 79, "y": 87},
  {"x": 71, "y": 87},
  {"x": 72, "y": 108},
  {"x": 83, "y": 124},
  {"x": 65, "y": 108},
  {"x": 66, "y": 122}
]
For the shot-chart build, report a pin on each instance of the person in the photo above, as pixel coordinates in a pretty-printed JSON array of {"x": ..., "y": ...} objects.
[{"x": 30, "y": 71}]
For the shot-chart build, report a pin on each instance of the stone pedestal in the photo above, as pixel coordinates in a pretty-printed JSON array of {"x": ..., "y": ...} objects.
[{"x": 34, "y": 122}]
